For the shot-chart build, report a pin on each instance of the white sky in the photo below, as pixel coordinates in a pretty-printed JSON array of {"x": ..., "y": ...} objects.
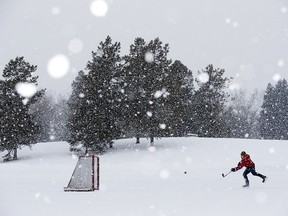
[{"x": 247, "y": 38}]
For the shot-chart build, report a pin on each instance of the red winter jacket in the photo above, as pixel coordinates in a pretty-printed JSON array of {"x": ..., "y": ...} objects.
[{"x": 247, "y": 162}]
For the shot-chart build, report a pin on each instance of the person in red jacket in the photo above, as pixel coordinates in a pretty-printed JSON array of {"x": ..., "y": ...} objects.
[{"x": 250, "y": 168}]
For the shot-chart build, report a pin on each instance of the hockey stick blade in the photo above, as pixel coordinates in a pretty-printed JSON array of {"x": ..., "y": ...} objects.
[{"x": 224, "y": 175}]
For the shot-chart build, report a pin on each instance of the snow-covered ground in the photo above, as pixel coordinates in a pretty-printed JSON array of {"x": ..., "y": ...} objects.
[{"x": 142, "y": 181}]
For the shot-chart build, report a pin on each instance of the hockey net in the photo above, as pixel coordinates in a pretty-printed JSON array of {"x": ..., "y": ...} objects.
[{"x": 85, "y": 176}]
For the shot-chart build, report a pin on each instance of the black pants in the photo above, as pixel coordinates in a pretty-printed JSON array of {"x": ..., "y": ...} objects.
[{"x": 253, "y": 172}]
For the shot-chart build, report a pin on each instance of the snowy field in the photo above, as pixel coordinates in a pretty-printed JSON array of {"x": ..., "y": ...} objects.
[{"x": 141, "y": 181}]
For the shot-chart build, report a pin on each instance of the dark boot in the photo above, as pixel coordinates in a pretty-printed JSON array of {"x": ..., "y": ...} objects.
[
  {"x": 246, "y": 183},
  {"x": 264, "y": 179}
]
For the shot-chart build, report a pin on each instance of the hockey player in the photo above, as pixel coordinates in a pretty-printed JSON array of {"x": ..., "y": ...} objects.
[{"x": 250, "y": 167}]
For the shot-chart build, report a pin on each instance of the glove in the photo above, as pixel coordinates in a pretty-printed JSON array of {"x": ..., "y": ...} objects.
[
  {"x": 239, "y": 163},
  {"x": 233, "y": 169}
]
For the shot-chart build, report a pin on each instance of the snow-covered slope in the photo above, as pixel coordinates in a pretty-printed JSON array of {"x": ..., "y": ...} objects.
[{"x": 142, "y": 181}]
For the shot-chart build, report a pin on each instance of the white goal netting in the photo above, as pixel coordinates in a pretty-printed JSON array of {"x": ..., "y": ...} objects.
[{"x": 86, "y": 175}]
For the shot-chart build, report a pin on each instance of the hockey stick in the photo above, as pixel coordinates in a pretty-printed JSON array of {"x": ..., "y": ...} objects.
[{"x": 224, "y": 175}]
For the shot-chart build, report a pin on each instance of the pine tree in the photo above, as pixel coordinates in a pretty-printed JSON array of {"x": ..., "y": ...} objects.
[
  {"x": 18, "y": 127},
  {"x": 281, "y": 116},
  {"x": 78, "y": 121},
  {"x": 133, "y": 87},
  {"x": 142, "y": 78},
  {"x": 179, "y": 89},
  {"x": 94, "y": 104},
  {"x": 209, "y": 103},
  {"x": 266, "y": 115},
  {"x": 274, "y": 114}
]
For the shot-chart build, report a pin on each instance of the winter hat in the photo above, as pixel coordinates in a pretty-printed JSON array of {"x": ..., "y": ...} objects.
[{"x": 243, "y": 153}]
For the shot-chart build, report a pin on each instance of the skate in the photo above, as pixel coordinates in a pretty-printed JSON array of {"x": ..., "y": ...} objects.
[
  {"x": 246, "y": 184},
  {"x": 264, "y": 179}
]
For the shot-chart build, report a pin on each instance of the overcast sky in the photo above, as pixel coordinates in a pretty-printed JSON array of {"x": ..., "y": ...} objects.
[{"x": 247, "y": 38}]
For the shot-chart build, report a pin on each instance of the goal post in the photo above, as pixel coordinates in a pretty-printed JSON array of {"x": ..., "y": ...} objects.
[{"x": 85, "y": 176}]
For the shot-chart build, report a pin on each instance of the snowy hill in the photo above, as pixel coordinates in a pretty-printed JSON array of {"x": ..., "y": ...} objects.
[{"x": 142, "y": 181}]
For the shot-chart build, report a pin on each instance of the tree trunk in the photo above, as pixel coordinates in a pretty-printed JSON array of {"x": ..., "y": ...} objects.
[
  {"x": 111, "y": 144},
  {"x": 15, "y": 153},
  {"x": 152, "y": 141},
  {"x": 137, "y": 139}
]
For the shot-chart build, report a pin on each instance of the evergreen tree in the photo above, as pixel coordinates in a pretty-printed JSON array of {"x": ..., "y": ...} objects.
[
  {"x": 94, "y": 102},
  {"x": 18, "y": 127},
  {"x": 142, "y": 82},
  {"x": 267, "y": 115},
  {"x": 274, "y": 114},
  {"x": 179, "y": 89},
  {"x": 133, "y": 88},
  {"x": 78, "y": 122},
  {"x": 281, "y": 110},
  {"x": 209, "y": 103}
]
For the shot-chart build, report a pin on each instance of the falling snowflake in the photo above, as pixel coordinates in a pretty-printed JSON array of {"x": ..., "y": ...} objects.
[
  {"x": 203, "y": 77},
  {"x": 149, "y": 57},
  {"x": 277, "y": 77},
  {"x": 160, "y": 93},
  {"x": 280, "y": 63},
  {"x": 99, "y": 8},
  {"x": 81, "y": 95},
  {"x": 58, "y": 66},
  {"x": 55, "y": 10},
  {"x": 235, "y": 25},
  {"x": 234, "y": 86},
  {"x": 284, "y": 10},
  {"x": 37, "y": 195},
  {"x": 26, "y": 90},
  {"x": 150, "y": 114},
  {"x": 74, "y": 156},
  {"x": 228, "y": 20},
  {"x": 271, "y": 150},
  {"x": 164, "y": 174},
  {"x": 151, "y": 148}
]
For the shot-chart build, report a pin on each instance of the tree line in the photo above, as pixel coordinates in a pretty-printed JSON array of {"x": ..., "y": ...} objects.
[{"x": 141, "y": 94}]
